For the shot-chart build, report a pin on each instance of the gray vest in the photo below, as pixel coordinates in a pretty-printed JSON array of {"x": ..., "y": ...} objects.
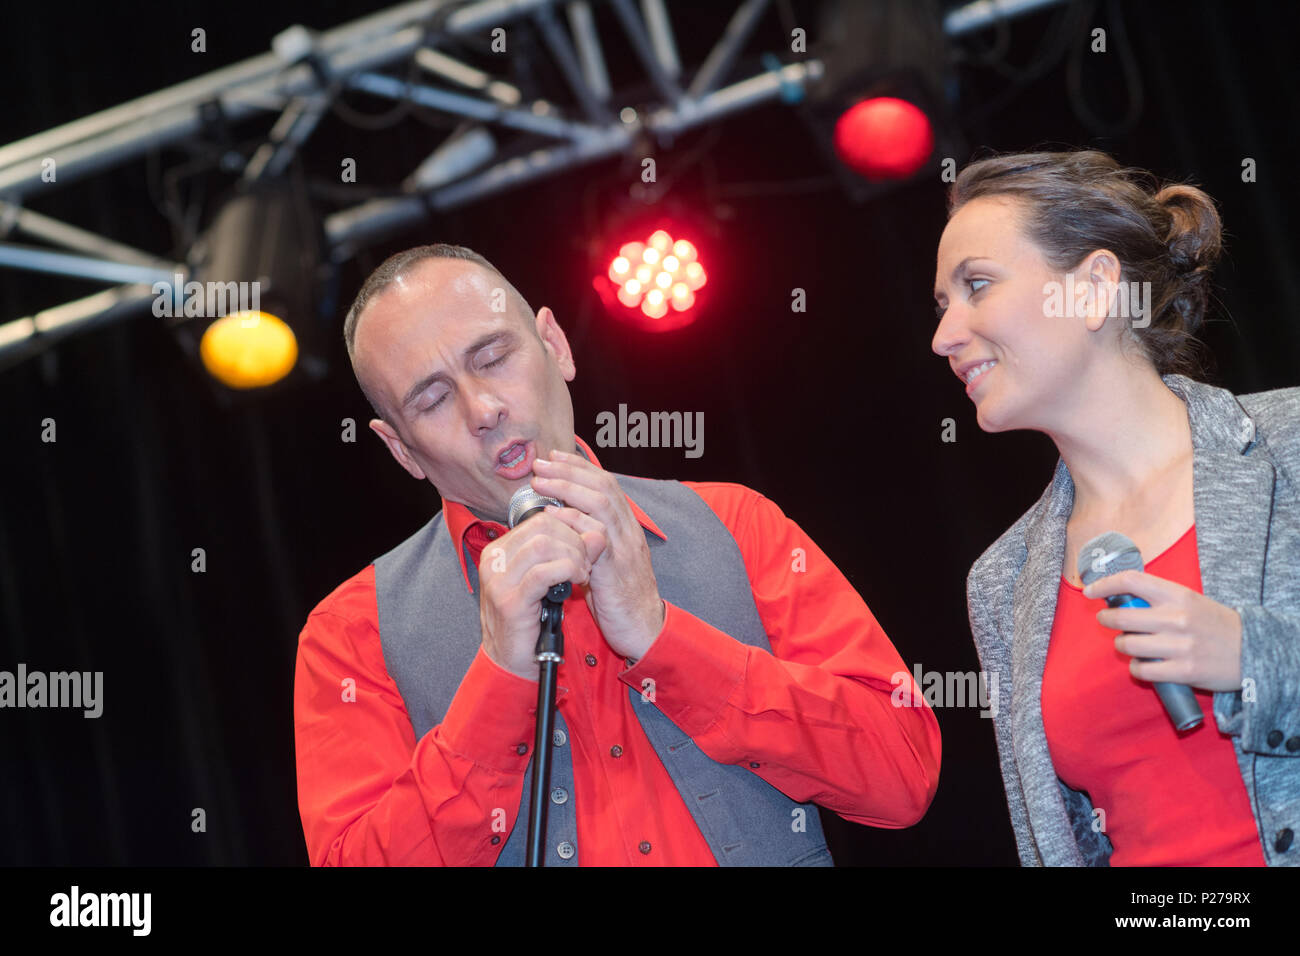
[{"x": 429, "y": 628}]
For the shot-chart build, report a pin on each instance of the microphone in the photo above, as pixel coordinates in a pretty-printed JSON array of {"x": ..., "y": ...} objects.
[
  {"x": 525, "y": 503},
  {"x": 1111, "y": 553}
]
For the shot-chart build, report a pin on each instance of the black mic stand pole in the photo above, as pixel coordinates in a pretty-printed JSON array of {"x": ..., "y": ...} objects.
[{"x": 550, "y": 655}]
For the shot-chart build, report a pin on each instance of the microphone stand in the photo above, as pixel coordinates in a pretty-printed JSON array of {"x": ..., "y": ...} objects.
[{"x": 550, "y": 655}]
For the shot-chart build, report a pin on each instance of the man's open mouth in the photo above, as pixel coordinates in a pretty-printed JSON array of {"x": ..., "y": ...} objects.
[{"x": 515, "y": 460}]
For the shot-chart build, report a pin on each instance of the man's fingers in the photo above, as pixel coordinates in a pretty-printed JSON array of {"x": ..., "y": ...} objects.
[
  {"x": 540, "y": 578},
  {"x": 582, "y": 497},
  {"x": 549, "y": 540},
  {"x": 593, "y": 534}
]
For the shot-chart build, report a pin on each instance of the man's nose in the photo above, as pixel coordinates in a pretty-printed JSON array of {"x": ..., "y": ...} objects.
[{"x": 484, "y": 410}]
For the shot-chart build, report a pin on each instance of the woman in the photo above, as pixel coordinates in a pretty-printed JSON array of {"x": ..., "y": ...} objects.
[{"x": 1069, "y": 296}]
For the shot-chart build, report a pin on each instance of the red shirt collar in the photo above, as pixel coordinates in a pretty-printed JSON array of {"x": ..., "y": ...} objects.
[{"x": 466, "y": 529}]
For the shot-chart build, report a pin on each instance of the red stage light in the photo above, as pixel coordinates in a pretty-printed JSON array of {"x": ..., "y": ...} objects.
[
  {"x": 884, "y": 138},
  {"x": 650, "y": 277}
]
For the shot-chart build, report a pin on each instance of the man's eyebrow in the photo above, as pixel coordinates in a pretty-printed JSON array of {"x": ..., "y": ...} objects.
[
  {"x": 480, "y": 343},
  {"x": 960, "y": 268}
]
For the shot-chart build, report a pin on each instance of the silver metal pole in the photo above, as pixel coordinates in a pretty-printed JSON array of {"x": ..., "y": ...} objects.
[
  {"x": 587, "y": 40},
  {"x": 36, "y": 259},
  {"x": 718, "y": 63}
]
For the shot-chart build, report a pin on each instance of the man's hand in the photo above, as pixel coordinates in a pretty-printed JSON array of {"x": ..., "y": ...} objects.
[
  {"x": 622, "y": 593},
  {"x": 514, "y": 574},
  {"x": 1198, "y": 640}
]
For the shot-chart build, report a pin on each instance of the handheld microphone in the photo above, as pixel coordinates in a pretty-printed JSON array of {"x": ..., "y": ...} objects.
[
  {"x": 525, "y": 503},
  {"x": 1113, "y": 552}
]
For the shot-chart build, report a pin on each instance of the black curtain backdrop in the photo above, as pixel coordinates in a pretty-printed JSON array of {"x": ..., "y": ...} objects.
[{"x": 834, "y": 413}]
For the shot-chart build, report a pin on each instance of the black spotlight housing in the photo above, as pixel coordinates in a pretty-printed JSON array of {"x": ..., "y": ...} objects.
[
  {"x": 877, "y": 48},
  {"x": 265, "y": 245}
]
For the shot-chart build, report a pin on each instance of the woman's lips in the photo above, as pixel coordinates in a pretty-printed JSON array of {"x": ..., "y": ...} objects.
[{"x": 970, "y": 386}]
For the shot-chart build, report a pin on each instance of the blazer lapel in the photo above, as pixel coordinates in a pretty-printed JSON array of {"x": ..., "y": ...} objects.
[
  {"x": 1034, "y": 608},
  {"x": 1232, "y": 491}
]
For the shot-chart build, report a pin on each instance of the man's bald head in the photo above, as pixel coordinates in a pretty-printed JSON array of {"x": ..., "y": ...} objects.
[{"x": 400, "y": 265}]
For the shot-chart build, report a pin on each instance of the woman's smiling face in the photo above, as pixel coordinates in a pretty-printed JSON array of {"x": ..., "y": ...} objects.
[{"x": 1017, "y": 361}]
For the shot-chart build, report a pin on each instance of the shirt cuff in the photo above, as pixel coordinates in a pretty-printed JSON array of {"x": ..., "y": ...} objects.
[
  {"x": 491, "y": 718},
  {"x": 690, "y": 671}
]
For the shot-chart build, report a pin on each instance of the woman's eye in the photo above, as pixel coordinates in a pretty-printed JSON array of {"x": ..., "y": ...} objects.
[{"x": 971, "y": 283}]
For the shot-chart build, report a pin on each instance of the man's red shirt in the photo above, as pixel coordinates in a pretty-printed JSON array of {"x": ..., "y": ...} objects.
[{"x": 815, "y": 718}]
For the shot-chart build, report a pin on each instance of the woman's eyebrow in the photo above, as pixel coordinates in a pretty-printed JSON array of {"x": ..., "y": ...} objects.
[{"x": 961, "y": 267}]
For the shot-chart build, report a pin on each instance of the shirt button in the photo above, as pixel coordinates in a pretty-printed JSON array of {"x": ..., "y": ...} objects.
[
  {"x": 591, "y": 660},
  {"x": 616, "y": 751},
  {"x": 1293, "y": 744},
  {"x": 752, "y": 765},
  {"x": 1274, "y": 738},
  {"x": 559, "y": 738},
  {"x": 565, "y": 850},
  {"x": 1284, "y": 838},
  {"x": 521, "y": 749},
  {"x": 559, "y": 795},
  {"x": 644, "y": 846},
  {"x": 492, "y": 533},
  {"x": 496, "y": 839}
]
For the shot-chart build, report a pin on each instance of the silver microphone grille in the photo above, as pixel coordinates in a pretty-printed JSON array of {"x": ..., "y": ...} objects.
[
  {"x": 525, "y": 501},
  {"x": 1108, "y": 553}
]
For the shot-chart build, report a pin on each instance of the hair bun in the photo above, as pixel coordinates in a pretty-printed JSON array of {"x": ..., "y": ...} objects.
[{"x": 1194, "y": 235}]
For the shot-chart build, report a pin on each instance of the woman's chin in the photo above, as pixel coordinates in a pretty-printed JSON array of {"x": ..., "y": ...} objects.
[{"x": 989, "y": 419}]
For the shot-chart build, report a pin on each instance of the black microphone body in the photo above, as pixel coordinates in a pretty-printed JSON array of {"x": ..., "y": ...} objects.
[{"x": 1111, "y": 553}]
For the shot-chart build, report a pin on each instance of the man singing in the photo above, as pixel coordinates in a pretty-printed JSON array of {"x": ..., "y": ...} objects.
[{"x": 720, "y": 675}]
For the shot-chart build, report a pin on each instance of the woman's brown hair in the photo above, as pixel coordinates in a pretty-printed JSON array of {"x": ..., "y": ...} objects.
[{"x": 1073, "y": 203}]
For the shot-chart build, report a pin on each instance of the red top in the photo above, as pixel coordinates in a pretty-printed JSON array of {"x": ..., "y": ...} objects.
[
  {"x": 1170, "y": 799},
  {"x": 814, "y": 718}
]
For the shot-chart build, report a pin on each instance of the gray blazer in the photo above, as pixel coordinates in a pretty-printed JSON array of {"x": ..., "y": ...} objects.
[{"x": 1246, "y": 465}]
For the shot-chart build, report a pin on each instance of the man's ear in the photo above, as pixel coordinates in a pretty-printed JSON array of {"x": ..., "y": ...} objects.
[
  {"x": 552, "y": 336},
  {"x": 396, "y": 447}
]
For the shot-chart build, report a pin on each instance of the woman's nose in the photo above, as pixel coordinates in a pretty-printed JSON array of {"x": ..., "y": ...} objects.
[{"x": 951, "y": 334}]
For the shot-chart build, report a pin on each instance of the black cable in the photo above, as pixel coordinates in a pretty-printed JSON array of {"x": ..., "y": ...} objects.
[
  {"x": 1070, "y": 24},
  {"x": 994, "y": 56},
  {"x": 1132, "y": 80}
]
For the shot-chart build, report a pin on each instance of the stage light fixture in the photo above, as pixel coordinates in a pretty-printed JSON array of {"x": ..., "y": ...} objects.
[
  {"x": 880, "y": 111},
  {"x": 655, "y": 279},
  {"x": 258, "y": 270},
  {"x": 884, "y": 137},
  {"x": 248, "y": 349}
]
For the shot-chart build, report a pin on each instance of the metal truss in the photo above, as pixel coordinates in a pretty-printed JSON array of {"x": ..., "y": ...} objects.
[{"x": 305, "y": 72}]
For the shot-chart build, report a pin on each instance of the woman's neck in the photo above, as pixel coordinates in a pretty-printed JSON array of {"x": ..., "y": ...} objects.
[{"x": 1129, "y": 433}]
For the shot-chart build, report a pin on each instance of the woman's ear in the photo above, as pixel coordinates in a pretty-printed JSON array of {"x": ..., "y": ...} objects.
[{"x": 1101, "y": 270}]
